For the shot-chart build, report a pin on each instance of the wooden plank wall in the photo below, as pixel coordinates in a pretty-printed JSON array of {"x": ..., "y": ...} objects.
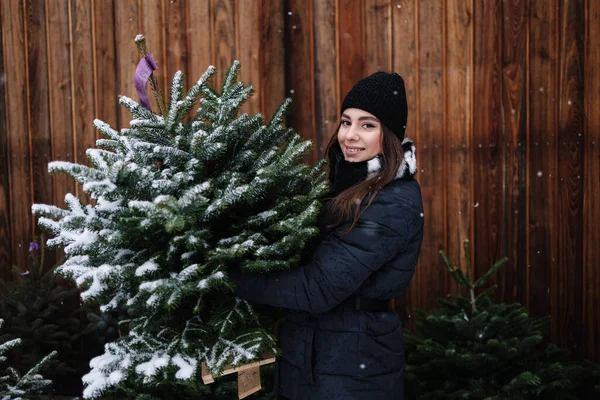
[{"x": 503, "y": 98}]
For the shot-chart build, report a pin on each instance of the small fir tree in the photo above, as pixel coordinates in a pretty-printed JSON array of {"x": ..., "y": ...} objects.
[
  {"x": 472, "y": 348},
  {"x": 14, "y": 386},
  {"x": 43, "y": 310},
  {"x": 176, "y": 204}
]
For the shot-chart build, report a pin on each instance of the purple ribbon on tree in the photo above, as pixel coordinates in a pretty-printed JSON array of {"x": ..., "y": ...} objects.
[{"x": 144, "y": 70}]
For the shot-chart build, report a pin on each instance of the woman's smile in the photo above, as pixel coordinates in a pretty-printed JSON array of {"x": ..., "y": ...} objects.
[{"x": 352, "y": 151}]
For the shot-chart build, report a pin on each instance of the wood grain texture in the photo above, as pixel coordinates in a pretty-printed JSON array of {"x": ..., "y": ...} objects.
[
  {"x": 249, "y": 50},
  {"x": 488, "y": 165},
  {"x": 272, "y": 57},
  {"x": 326, "y": 74},
  {"x": 224, "y": 38},
  {"x": 299, "y": 69},
  {"x": 17, "y": 138},
  {"x": 151, "y": 21},
  {"x": 5, "y": 233},
  {"x": 458, "y": 121},
  {"x": 82, "y": 74},
  {"x": 352, "y": 47},
  {"x": 514, "y": 147},
  {"x": 176, "y": 38},
  {"x": 127, "y": 55},
  {"x": 404, "y": 62},
  {"x": 568, "y": 273},
  {"x": 199, "y": 39},
  {"x": 378, "y": 36},
  {"x": 105, "y": 75},
  {"x": 591, "y": 186},
  {"x": 430, "y": 142},
  {"x": 404, "y": 55},
  {"x": 61, "y": 94},
  {"x": 39, "y": 104},
  {"x": 542, "y": 142}
]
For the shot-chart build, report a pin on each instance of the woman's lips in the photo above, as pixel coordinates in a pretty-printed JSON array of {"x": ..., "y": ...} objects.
[{"x": 352, "y": 151}]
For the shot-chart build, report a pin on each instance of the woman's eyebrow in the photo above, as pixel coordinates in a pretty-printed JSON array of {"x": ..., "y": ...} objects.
[{"x": 365, "y": 118}]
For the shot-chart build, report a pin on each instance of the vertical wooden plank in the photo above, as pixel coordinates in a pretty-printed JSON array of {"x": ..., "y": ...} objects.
[
  {"x": 457, "y": 118},
  {"x": 5, "y": 228},
  {"x": 272, "y": 56},
  {"x": 352, "y": 46},
  {"x": 105, "y": 69},
  {"x": 404, "y": 61},
  {"x": 542, "y": 233},
  {"x": 515, "y": 106},
  {"x": 591, "y": 186},
  {"x": 152, "y": 26},
  {"x": 127, "y": 55},
  {"x": 404, "y": 55},
  {"x": 37, "y": 60},
  {"x": 299, "y": 68},
  {"x": 487, "y": 135},
  {"x": 176, "y": 44},
  {"x": 378, "y": 36},
  {"x": 326, "y": 93},
  {"x": 199, "y": 39},
  {"x": 249, "y": 50},
  {"x": 17, "y": 138},
  {"x": 223, "y": 26},
  {"x": 60, "y": 92},
  {"x": 83, "y": 82},
  {"x": 568, "y": 273},
  {"x": 431, "y": 147}
]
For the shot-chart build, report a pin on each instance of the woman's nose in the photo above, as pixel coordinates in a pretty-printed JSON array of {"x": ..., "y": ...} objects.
[{"x": 352, "y": 133}]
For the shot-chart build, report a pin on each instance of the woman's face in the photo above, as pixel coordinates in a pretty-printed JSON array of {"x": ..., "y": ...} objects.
[{"x": 360, "y": 135}]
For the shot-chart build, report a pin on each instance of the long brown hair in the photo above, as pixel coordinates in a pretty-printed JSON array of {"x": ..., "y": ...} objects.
[{"x": 346, "y": 205}]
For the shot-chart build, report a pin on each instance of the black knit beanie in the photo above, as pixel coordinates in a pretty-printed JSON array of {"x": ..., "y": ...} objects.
[{"x": 383, "y": 95}]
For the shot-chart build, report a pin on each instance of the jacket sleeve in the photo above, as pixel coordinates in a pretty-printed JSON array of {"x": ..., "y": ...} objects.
[{"x": 340, "y": 265}]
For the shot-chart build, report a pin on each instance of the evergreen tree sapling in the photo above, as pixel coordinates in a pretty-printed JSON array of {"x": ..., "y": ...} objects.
[
  {"x": 472, "y": 348},
  {"x": 13, "y": 386},
  {"x": 176, "y": 203},
  {"x": 43, "y": 311}
]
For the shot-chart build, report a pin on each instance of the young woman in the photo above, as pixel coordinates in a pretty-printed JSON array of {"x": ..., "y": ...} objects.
[{"x": 343, "y": 342}]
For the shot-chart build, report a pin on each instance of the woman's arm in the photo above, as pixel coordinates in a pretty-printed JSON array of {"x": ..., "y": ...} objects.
[{"x": 340, "y": 265}]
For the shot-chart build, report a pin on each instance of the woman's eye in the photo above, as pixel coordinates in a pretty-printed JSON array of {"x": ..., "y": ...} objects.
[
  {"x": 346, "y": 123},
  {"x": 368, "y": 126}
]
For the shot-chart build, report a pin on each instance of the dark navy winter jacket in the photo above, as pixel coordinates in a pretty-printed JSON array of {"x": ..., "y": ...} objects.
[{"x": 330, "y": 351}]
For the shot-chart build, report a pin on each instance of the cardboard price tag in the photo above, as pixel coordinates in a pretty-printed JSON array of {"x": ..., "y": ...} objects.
[
  {"x": 248, "y": 376},
  {"x": 248, "y": 382}
]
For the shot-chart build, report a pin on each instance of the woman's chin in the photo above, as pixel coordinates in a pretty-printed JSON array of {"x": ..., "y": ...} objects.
[{"x": 354, "y": 157}]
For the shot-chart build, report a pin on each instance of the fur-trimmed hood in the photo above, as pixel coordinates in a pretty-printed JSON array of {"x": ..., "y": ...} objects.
[{"x": 408, "y": 168}]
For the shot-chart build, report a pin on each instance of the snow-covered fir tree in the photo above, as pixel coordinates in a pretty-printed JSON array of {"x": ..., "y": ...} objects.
[
  {"x": 176, "y": 203},
  {"x": 14, "y": 386}
]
